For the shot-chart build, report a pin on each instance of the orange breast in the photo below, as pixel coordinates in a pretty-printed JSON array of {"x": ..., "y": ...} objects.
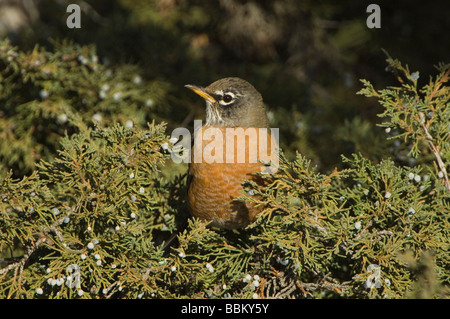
[{"x": 222, "y": 158}]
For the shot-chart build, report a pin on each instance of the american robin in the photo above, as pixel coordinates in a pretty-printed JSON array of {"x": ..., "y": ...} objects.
[{"x": 233, "y": 144}]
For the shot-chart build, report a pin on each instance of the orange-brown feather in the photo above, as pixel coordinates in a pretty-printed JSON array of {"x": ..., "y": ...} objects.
[{"x": 214, "y": 186}]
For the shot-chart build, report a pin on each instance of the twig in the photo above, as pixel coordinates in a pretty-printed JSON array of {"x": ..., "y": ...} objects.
[
  {"x": 357, "y": 237},
  {"x": 435, "y": 151},
  {"x": 327, "y": 285},
  {"x": 21, "y": 263},
  {"x": 35, "y": 246}
]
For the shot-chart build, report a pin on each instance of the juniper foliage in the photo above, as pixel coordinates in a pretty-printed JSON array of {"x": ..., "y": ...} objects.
[
  {"x": 47, "y": 93},
  {"x": 91, "y": 218}
]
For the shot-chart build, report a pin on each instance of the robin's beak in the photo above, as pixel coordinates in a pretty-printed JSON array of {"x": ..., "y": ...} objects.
[{"x": 200, "y": 91}]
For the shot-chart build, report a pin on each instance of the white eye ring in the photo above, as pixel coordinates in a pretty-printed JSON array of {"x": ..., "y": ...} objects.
[{"x": 227, "y": 98}]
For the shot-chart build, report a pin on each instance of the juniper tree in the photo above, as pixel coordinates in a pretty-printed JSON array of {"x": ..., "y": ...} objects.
[{"x": 91, "y": 219}]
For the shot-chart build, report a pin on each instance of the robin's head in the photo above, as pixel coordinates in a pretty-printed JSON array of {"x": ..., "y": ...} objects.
[{"x": 232, "y": 102}]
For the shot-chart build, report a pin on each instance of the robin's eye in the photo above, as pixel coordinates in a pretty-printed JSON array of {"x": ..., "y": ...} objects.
[{"x": 227, "y": 98}]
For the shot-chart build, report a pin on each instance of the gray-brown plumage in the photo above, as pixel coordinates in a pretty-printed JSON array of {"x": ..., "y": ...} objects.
[{"x": 233, "y": 102}]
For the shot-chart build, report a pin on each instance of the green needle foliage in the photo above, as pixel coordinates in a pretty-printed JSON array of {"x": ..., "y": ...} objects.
[
  {"x": 44, "y": 94},
  {"x": 93, "y": 217},
  {"x": 420, "y": 116}
]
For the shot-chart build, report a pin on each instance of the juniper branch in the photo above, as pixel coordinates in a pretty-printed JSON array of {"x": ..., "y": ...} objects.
[
  {"x": 435, "y": 150},
  {"x": 43, "y": 236}
]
